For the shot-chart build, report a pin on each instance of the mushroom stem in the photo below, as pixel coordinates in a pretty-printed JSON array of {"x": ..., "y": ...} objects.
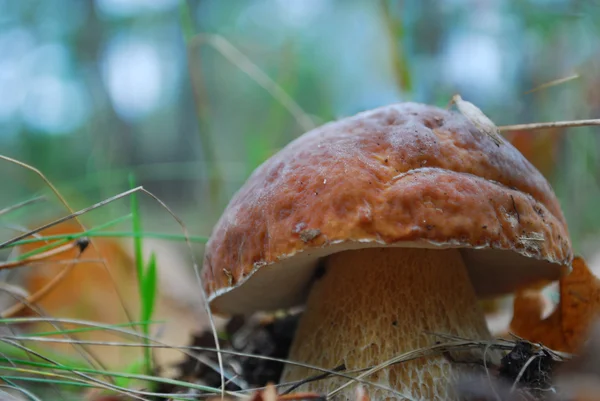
[{"x": 376, "y": 303}]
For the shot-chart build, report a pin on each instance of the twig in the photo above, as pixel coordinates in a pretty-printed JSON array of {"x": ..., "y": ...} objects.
[
  {"x": 184, "y": 349},
  {"x": 314, "y": 378},
  {"x": 73, "y": 215},
  {"x": 240, "y": 60},
  {"x": 552, "y": 83},
  {"x": 487, "y": 373},
  {"x": 22, "y": 204},
  {"x": 522, "y": 372},
  {"x": 554, "y": 124},
  {"x": 21, "y": 390},
  {"x": 45, "y": 255},
  {"x": 203, "y": 294}
]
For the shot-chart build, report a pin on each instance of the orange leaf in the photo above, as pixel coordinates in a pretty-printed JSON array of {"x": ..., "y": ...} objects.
[
  {"x": 540, "y": 147},
  {"x": 567, "y": 327}
]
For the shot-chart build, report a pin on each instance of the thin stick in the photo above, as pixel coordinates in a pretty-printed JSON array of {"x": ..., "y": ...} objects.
[
  {"x": 70, "y": 209},
  {"x": 487, "y": 372},
  {"x": 552, "y": 83},
  {"x": 203, "y": 294},
  {"x": 22, "y": 204},
  {"x": 187, "y": 350},
  {"x": 522, "y": 372},
  {"x": 40, "y": 257},
  {"x": 73, "y": 215},
  {"x": 299, "y": 383},
  {"x": 240, "y": 60},
  {"x": 554, "y": 124}
]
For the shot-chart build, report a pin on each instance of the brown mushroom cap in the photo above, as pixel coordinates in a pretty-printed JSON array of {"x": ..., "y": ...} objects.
[{"x": 407, "y": 175}]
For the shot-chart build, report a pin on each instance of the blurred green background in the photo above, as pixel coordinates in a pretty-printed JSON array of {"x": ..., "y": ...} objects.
[{"x": 192, "y": 95}]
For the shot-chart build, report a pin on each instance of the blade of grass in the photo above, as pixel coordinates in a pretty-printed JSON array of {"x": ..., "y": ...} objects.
[
  {"x": 74, "y": 215},
  {"x": 65, "y": 238},
  {"x": 149, "y": 289},
  {"x": 133, "y": 368},
  {"x": 139, "y": 266},
  {"x": 87, "y": 329},
  {"x": 22, "y": 204},
  {"x": 114, "y": 234},
  {"x": 137, "y": 229},
  {"x": 40, "y": 257},
  {"x": 185, "y": 230},
  {"x": 240, "y": 60},
  {"x": 395, "y": 30},
  {"x": 13, "y": 386},
  {"x": 80, "y": 374},
  {"x": 202, "y": 103},
  {"x": 203, "y": 295},
  {"x": 88, "y": 380},
  {"x": 48, "y": 381},
  {"x": 82, "y": 350},
  {"x": 133, "y": 376},
  {"x": 157, "y": 344},
  {"x": 56, "y": 279},
  {"x": 553, "y": 83}
]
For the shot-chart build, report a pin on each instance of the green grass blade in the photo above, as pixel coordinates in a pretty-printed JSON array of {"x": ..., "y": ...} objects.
[
  {"x": 137, "y": 229},
  {"x": 146, "y": 295},
  {"x": 87, "y": 329},
  {"x": 41, "y": 380},
  {"x": 68, "y": 237},
  {"x": 149, "y": 289},
  {"x": 114, "y": 234}
]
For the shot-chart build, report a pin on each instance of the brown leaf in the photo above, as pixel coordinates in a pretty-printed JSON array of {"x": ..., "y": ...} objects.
[
  {"x": 567, "y": 327},
  {"x": 478, "y": 119},
  {"x": 541, "y": 148},
  {"x": 102, "y": 292}
]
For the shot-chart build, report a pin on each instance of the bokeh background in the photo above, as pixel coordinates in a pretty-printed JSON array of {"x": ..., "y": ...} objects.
[{"x": 191, "y": 96}]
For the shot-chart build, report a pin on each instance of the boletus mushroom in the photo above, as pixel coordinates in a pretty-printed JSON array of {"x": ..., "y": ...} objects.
[{"x": 388, "y": 226}]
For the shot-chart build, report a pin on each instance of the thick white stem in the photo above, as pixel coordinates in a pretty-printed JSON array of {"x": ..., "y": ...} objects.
[{"x": 376, "y": 303}]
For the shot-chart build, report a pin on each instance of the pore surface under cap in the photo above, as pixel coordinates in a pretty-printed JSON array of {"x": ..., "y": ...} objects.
[{"x": 402, "y": 175}]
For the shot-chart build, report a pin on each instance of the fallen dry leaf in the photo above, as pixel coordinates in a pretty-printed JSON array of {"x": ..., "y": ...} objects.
[
  {"x": 541, "y": 147},
  {"x": 90, "y": 283},
  {"x": 567, "y": 327},
  {"x": 478, "y": 119}
]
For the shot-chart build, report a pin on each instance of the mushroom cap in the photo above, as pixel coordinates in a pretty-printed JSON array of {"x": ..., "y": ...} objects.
[{"x": 405, "y": 175}]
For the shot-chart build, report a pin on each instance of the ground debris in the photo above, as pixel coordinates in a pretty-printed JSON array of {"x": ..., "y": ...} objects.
[
  {"x": 533, "y": 372},
  {"x": 526, "y": 372},
  {"x": 267, "y": 336},
  {"x": 528, "y": 366}
]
